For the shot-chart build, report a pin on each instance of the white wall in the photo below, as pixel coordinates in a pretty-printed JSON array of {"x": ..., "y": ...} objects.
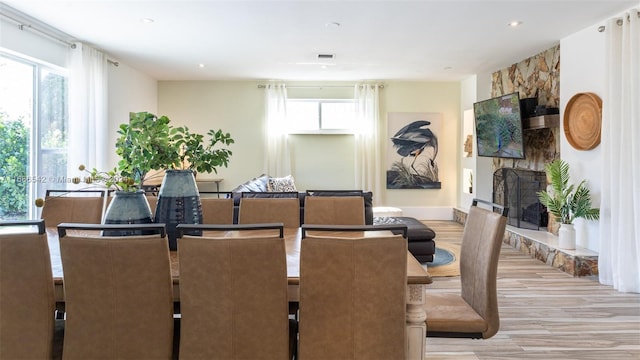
[
  {"x": 319, "y": 161},
  {"x": 484, "y": 165},
  {"x": 467, "y": 127},
  {"x": 236, "y": 107},
  {"x": 583, "y": 70},
  {"x": 129, "y": 91}
]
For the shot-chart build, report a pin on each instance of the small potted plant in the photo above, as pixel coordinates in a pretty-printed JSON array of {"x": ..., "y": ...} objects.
[{"x": 566, "y": 202}]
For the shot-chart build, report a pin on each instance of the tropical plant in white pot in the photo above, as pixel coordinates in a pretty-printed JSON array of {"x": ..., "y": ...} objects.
[{"x": 566, "y": 202}]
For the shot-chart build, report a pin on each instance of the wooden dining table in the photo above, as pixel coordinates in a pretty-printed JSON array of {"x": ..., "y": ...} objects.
[{"x": 417, "y": 279}]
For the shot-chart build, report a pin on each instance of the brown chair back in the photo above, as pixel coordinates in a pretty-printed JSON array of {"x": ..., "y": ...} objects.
[
  {"x": 233, "y": 298},
  {"x": 82, "y": 206},
  {"x": 270, "y": 210},
  {"x": 334, "y": 210},
  {"x": 118, "y": 297},
  {"x": 217, "y": 211},
  {"x": 27, "y": 305},
  {"x": 353, "y": 297},
  {"x": 479, "y": 254}
]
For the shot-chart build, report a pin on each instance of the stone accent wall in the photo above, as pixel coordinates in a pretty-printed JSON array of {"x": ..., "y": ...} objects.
[{"x": 537, "y": 76}]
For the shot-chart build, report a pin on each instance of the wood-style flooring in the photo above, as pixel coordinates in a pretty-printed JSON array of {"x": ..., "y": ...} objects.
[{"x": 544, "y": 313}]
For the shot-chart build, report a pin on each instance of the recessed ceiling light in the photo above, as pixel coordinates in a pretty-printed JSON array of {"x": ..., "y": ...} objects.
[
  {"x": 515, "y": 23},
  {"x": 201, "y": 65},
  {"x": 147, "y": 20}
]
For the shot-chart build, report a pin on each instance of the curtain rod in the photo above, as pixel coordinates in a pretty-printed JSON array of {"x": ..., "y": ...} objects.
[
  {"x": 264, "y": 86},
  {"x": 23, "y": 26},
  {"x": 619, "y": 22}
]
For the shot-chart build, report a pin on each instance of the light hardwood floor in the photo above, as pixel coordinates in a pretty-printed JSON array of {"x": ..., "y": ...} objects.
[{"x": 544, "y": 313}]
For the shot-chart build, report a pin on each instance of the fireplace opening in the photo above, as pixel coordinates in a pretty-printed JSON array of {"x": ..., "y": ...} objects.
[{"x": 518, "y": 190}]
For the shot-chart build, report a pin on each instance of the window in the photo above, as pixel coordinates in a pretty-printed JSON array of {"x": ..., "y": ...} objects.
[
  {"x": 318, "y": 116},
  {"x": 33, "y": 124}
]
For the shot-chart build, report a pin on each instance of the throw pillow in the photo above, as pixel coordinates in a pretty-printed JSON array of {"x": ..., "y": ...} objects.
[
  {"x": 281, "y": 184},
  {"x": 256, "y": 184}
]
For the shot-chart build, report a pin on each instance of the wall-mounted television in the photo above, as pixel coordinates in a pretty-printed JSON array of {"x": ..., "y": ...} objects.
[{"x": 499, "y": 127}]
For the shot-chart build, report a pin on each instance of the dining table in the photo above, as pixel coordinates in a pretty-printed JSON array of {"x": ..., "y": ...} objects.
[{"x": 417, "y": 280}]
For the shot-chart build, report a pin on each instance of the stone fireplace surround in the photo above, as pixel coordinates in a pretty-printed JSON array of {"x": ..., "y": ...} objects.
[{"x": 538, "y": 76}]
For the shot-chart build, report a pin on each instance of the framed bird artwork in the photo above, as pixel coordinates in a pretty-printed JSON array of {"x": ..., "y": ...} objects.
[{"x": 413, "y": 151}]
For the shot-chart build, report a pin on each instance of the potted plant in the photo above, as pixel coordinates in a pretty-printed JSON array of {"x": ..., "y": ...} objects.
[
  {"x": 566, "y": 202},
  {"x": 187, "y": 153}
]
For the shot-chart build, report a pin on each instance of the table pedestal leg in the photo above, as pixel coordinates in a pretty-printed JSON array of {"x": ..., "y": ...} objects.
[{"x": 416, "y": 325}]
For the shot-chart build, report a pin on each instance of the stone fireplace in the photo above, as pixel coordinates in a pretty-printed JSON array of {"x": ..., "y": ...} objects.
[{"x": 518, "y": 190}]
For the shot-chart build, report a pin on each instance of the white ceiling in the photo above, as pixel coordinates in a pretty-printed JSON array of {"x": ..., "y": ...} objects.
[{"x": 262, "y": 39}]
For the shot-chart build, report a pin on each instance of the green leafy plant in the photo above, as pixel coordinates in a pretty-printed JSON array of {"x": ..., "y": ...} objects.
[
  {"x": 566, "y": 202},
  {"x": 145, "y": 144},
  {"x": 112, "y": 179},
  {"x": 201, "y": 156},
  {"x": 148, "y": 142}
]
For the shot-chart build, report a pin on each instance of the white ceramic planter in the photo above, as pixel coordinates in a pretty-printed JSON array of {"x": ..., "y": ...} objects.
[{"x": 567, "y": 237}]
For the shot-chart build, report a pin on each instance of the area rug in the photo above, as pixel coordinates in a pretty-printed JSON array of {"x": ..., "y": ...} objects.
[{"x": 446, "y": 261}]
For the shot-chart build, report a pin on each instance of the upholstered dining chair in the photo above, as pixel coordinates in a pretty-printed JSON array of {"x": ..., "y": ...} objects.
[
  {"x": 217, "y": 211},
  {"x": 27, "y": 304},
  {"x": 473, "y": 312},
  {"x": 352, "y": 296},
  {"x": 118, "y": 293},
  {"x": 76, "y": 206},
  {"x": 233, "y": 294},
  {"x": 270, "y": 210},
  {"x": 334, "y": 210}
]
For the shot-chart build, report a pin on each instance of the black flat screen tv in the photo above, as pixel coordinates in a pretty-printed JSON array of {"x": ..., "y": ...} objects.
[{"x": 499, "y": 127}]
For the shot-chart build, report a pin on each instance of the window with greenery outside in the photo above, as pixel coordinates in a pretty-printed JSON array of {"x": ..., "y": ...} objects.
[{"x": 14, "y": 157}]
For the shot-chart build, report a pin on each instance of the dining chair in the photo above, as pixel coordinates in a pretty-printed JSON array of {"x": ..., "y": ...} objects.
[
  {"x": 118, "y": 293},
  {"x": 473, "y": 312},
  {"x": 270, "y": 210},
  {"x": 76, "y": 206},
  {"x": 233, "y": 294},
  {"x": 217, "y": 211},
  {"x": 334, "y": 210},
  {"x": 27, "y": 303},
  {"x": 352, "y": 295}
]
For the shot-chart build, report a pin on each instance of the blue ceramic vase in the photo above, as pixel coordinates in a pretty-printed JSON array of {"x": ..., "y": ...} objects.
[
  {"x": 127, "y": 207},
  {"x": 178, "y": 203}
]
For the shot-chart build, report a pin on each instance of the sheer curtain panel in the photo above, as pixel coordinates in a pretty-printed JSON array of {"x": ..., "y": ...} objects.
[
  {"x": 277, "y": 157},
  {"x": 619, "y": 260},
  {"x": 87, "y": 109},
  {"x": 366, "y": 140}
]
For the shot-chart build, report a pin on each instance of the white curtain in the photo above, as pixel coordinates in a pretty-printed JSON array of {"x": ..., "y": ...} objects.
[
  {"x": 367, "y": 147},
  {"x": 619, "y": 259},
  {"x": 277, "y": 157},
  {"x": 88, "y": 114}
]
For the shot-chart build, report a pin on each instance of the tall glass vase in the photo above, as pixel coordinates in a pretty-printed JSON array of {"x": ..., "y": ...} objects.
[
  {"x": 178, "y": 203},
  {"x": 128, "y": 207}
]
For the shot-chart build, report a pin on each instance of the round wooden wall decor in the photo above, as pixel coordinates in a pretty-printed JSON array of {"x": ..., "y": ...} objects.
[{"x": 583, "y": 121}]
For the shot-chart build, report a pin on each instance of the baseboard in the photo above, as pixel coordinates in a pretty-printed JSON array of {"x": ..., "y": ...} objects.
[{"x": 428, "y": 212}]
